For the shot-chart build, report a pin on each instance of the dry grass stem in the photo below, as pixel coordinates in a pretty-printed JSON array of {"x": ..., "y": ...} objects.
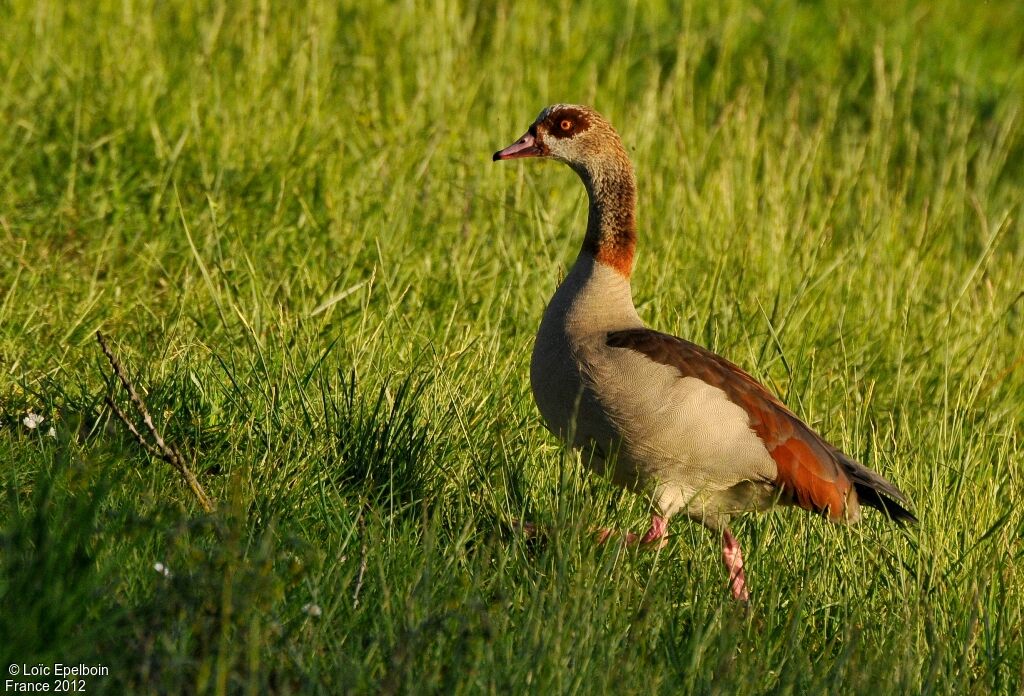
[{"x": 162, "y": 450}]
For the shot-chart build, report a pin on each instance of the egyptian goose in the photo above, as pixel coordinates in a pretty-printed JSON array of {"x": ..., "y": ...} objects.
[{"x": 673, "y": 420}]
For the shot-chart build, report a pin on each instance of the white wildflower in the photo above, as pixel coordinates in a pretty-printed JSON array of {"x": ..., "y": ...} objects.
[
  {"x": 162, "y": 569},
  {"x": 32, "y": 420},
  {"x": 313, "y": 610},
  {"x": 51, "y": 432}
]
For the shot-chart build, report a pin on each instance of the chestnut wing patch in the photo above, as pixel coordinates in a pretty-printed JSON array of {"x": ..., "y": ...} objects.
[{"x": 809, "y": 474}]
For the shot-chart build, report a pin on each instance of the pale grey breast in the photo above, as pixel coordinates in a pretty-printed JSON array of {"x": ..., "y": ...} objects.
[{"x": 682, "y": 435}]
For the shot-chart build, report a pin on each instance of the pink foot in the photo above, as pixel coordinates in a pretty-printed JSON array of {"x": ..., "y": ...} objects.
[
  {"x": 656, "y": 533},
  {"x": 733, "y": 558}
]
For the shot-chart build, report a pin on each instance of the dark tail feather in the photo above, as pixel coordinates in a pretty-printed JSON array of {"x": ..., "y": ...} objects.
[
  {"x": 873, "y": 498},
  {"x": 875, "y": 491}
]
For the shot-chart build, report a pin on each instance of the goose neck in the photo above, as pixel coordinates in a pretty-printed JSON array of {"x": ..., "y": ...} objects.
[{"x": 611, "y": 223}]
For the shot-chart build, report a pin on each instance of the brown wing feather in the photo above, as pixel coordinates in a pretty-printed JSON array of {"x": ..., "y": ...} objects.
[{"x": 809, "y": 475}]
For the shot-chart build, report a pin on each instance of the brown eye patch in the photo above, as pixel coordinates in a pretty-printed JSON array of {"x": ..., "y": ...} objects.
[{"x": 567, "y": 122}]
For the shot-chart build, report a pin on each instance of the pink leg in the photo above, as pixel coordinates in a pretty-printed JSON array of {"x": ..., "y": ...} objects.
[
  {"x": 656, "y": 533},
  {"x": 733, "y": 558},
  {"x": 659, "y": 527}
]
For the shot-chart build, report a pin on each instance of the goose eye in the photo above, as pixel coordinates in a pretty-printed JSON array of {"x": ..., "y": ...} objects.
[{"x": 565, "y": 125}]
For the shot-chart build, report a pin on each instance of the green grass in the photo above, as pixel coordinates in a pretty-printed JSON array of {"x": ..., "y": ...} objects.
[{"x": 287, "y": 222}]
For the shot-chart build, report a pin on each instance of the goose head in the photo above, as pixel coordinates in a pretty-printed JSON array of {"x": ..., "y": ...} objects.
[{"x": 573, "y": 134}]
